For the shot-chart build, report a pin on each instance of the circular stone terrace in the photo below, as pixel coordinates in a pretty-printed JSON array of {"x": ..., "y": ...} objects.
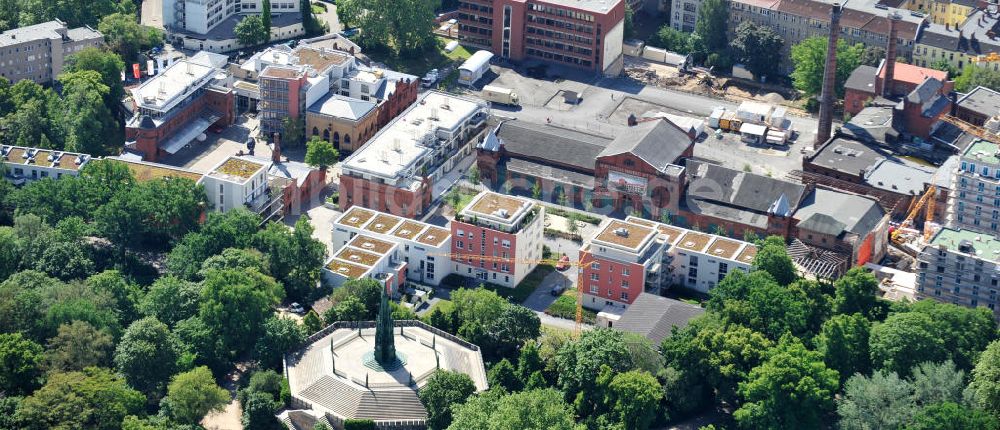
[{"x": 333, "y": 373}]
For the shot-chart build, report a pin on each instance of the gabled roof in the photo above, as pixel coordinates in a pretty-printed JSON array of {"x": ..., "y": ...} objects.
[
  {"x": 862, "y": 79},
  {"x": 654, "y": 316},
  {"x": 834, "y": 212},
  {"x": 542, "y": 142},
  {"x": 742, "y": 190},
  {"x": 659, "y": 143},
  {"x": 925, "y": 92}
]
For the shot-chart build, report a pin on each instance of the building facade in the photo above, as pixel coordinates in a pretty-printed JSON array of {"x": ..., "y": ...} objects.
[
  {"x": 970, "y": 41},
  {"x": 587, "y": 34},
  {"x": 345, "y": 122},
  {"x": 38, "y": 52},
  {"x": 975, "y": 203},
  {"x": 497, "y": 239},
  {"x": 394, "y": 171},
  {"x": 684, "y": 14},
  {"x": 946, "y": 12},
  {"x": 617, "y": 262},
  {"x": 960, "y": 266}
]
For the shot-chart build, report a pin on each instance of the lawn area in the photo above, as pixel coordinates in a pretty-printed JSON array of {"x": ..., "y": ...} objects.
[
  {"x": 418, "y": 65},
  {"x": 571, "y": 215},
  {"x": 517, "y": 294},
  {"x": 565, "y": 307},
  {"x": 459, "y": 198}
]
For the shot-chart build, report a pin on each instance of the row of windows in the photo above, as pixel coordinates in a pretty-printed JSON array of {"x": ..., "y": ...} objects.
[
  {"x": 597, "y": 266},
  {"x": 561, "y": 12},
  {"x": 558, "y": 57},
  {"x": 560, "y": 35},
  {"x": 560, "y": 46},
  {"x": 596, "y": 290},
  {"x": 561, "y": 24}
]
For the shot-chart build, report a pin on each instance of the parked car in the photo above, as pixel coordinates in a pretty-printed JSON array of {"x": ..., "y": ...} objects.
[
  {"x": 557, "y": 290},
  {"x": 430, "y": 78},
  {"x": 296, "y": 308},
  {"x": 350, "y": 32}
]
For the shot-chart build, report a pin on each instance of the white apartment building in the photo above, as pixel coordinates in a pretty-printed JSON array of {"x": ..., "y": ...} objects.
[
  {"x": 422, "y": 247},
  {"x": 684, "y": 14},
  {"x": 38, "y": 52},
  {"x": 367, "y": 257},
  {"x": 974, "y": 204},
  {"x": 22, "y": 164},
  {"x": 238, "y": 181},
  {"x": 960, "y": 267},
  {"x": 620, "y": 261},
  {"x": 201, "y": 16},
  {"x": 699, "y": 261}
]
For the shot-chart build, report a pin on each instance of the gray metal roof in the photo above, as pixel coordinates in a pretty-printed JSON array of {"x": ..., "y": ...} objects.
[
  {"x": 658, "y": 142},
  {"x": 862, "y": 79},
  {"x": 543, "y": 143},
  {"x": 982, "y": 100},
  {"x": 899, "y": 178},
  {"x": 653, "y": 316},
  {"x": 741, "y": 190},
  {"x": 833, "y": 212},
  {"x": 925, "y": 92},
  {"x": 872, "y": 124},
  {"x": 848, "y": 156},
  {"x": 339, "y": 106}
]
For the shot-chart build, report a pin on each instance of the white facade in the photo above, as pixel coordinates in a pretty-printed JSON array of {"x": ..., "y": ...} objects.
[
  {"x": 613, "y": 50},
  {"x": 684, "y": 15},
  {"x": 236, "y": 182},
  {"x": 423, "y": 247},
  {"x": 201, "y": 16}
]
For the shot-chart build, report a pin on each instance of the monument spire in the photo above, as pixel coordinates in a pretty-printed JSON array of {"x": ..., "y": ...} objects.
[{"x": 385, "y": 346}]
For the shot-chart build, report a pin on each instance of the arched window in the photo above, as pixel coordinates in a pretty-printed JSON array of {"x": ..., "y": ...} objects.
[
  {"x": 326, "y": 135},
  {"x": 347, "y": 140},
  {"x": 315, "y": 131},
  {"x": 336, "y": 138}
]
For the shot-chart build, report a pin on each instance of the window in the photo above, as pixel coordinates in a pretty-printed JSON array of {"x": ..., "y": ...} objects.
[
  {"x": 625, "y": 271},
  {"x": 624, "y": 284},
  {"x": 505, "y": 244},
  {"x": 624, "y": 296},
  {"x": 461, "y": 233},
  {"x": 595, "y": 277},
  {"x": 460, "y": 245},
  {"x": 595, "y": 265},
  {"x": 594, "y": 289}
]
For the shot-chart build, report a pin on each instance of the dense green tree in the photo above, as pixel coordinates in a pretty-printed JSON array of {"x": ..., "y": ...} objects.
[
  {"x": 201, "y": 345},
  {"x": 404, "y": 26},
  {"x": 973, "y": 76},
  {"x": 74, "y": 13},
  {"x": 124, "y": 294},
  {"x": 154, "y": 213},
  {"x": 856, "y": 292},
  {"x": 882, "y": 401},
  {"x": 985, "y": 385},
  {"x": 36, "y": 121},
  {"x": 232, "y": 229},
  {"x": 683, "y": 392},
  {"x": 235, "y": 258},
  {"x": 444, "y": 391},
  {"x": 502, "y": 374},
  {"x": 320, "y": 153},
  {"x": 268, "y": 382},
  {"x": 89, "y": 124},
  {"x": 349, "y": 309},
  {"x": 367, "y": 291},
  {"x": 78, "y": 345},
  {"x": 506, "y": 333},
  {"x": 579, "y": 362},
  {"x": 92, "y": 399},
  {"x": 756, "y": 301},
  {"x": 265, "y": 18},
  {"x": 792, "y": 389},
  {"x": 236, "y": 303},
  {"x": 529, "y": 361},
  {"x": 64, "y": 303},
  {"x": 312, "y": 322},
  {"x": 22, "y": 305},
  {"x": 937, "y": 382},
  {"x": 843, "y": 341},
  {"x": 872, "y": 55},
  {"x": 710, "y": 29},
  {"x": 904, "y": 340},
  {"x": 9, "y": 11},
  {"x": 66, "y": 261},
  {"x": 278, "y": 336},
  {"x": 295, "y": 257},
  {"x": 126, "y": 37},
  {"x": 772, "y": 257},
  {"x": 952, "y": 416},
  {"x": 250, "y": 31},
  {"x": 809, "y": 60},
  {"x": 10, "y": 258},
  {"x": 193, "y": 394},
  {"x": 758, "y": 48},
  {"x": 672, "y": 40},
  {"x": 147, "y": 356},
  {"x": 20, "y": 364},
  {"x": 965, "y": 331},
  {"x": 633, "y": 398},
  {"x": 107, "y": 64},
  {"x": 720, "y": 356},
  {"x": 258, "y": 412},
  {"x": 527, "y": 410},
  {"x": 171, "y": 299},
  {"x": 8, "y": 405}
]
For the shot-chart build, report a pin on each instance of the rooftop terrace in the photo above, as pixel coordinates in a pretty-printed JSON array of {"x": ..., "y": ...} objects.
[
  {"x": 349, "y": 270},
  {"x": 433, "y": 236},
  {"x": 983, "y": 150},
  {"x": 724, "y": 248},
  {"x": 383, "y": 223},
  {"x": 986, "y": 246},
  {"x": 624, "y": 234},
  {"x": 356, "y": 216},
  {"x": 358, "y": 256},
  {"x": 694, "y": 241},
  {"x": 369, "y": 243},
  {"x": 236, "y": 169}
]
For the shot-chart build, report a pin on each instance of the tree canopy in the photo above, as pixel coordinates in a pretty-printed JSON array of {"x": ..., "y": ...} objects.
[
  {"x": 809, "y": 60},
  {"x": 758, "y": 48}
]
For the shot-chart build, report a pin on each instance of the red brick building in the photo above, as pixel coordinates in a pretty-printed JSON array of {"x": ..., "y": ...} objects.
[
  {"x": 508, "y": 230},
  {"x": 175, "y": 107},
  {"x": 580, "y": 33},
  {"x": 866, "y": 83}
]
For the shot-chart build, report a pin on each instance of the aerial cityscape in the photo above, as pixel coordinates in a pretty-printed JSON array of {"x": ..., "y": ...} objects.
[{"x": 499, "y": 214}]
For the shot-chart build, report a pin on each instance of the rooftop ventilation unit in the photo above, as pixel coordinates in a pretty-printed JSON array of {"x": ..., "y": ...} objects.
[{"x": 621, "y": 231}]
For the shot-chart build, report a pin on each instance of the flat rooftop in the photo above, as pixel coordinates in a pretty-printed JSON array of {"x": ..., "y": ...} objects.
[
  {"x": 399, "y": 148},
  {"x": 694, "y": 241},
  {"x": 280, "y": 72},
  {"x": 748, "y": 254},
  {"x": 982, "y": 100},
  {"x": 145, "y": 171},
  {"x": 723, "y": 248},
  {"x": 356, "y": 216},
  {"x": 595, "y": 6},
  {"x": 986, "y": 246},
  {"x": 624, "y": 234},
  {"x": 236, "y": 169},
  {"x": 358, "y": 256},
  {"x": 320, "y": 60},
  {"x": 45, "y": 30},
  {"x": 43, "y": 157},
  {"x": 345, "y": 269},
  {"x": 983, "y": 150},
  {"x": 409, "y": 230},
  {"x": 501, "y": 208},
  {"x": 369, "y": 243},
  {"x": 173, "y": 84},
  {"x": 383, "y": 223},
  {"x": 433, "y": 236}
]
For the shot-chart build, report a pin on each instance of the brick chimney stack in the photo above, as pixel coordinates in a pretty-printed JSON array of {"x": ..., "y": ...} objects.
[
  {"x": 890, "y": 55},
  {"x": 828, "y": 95},
  {"x": 276, "y": 152}
]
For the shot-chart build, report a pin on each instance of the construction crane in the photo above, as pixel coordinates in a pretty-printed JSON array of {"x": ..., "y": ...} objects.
[
  {"x": 927, "y": 199},
  {"x": 972, "y": 129},
  {"x": 550, "y": 261}
]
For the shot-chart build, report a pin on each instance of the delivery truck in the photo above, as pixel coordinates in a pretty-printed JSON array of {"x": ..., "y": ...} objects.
[{"x": 500, "y": 95}]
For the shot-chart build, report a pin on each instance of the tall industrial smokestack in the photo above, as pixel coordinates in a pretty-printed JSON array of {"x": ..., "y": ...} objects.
[
  {"x": 276, "y": 152},
  {"x": 890, "y": 55},
  {"x": 828, "y": 95}
]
